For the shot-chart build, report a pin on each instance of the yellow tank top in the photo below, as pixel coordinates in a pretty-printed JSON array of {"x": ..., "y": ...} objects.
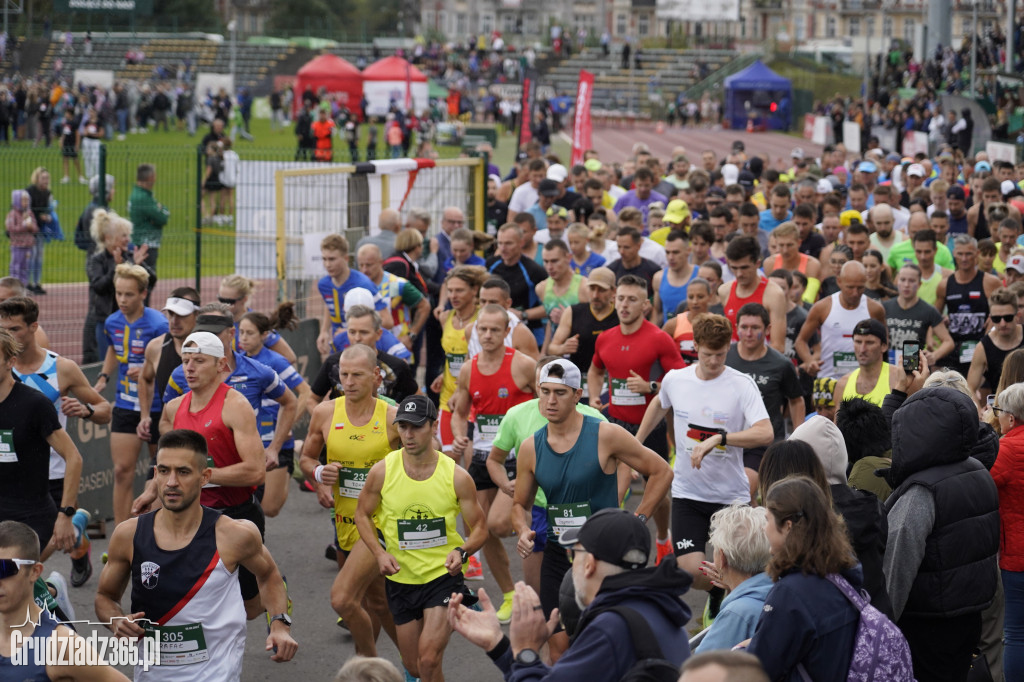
[
  {"x": 417, "y": 519},
  {"x": 928, "y": 291},
  {"x": 877, "y": 394},
  {"x": 356, "y": 449},
  {"x": 456, "y": 352}
]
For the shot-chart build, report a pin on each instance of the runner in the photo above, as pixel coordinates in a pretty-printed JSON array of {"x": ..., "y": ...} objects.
[
  {"x": 414, "y": 496},
  {"x": 574, "y": 459},
  {"x": 909, "y": 318},
  {"x": 20, "y": 569},
  {"x": 340, "y": 278},
  {"x": 63, "y": 382},
  {"x": 128, "y": 331},
  {"x": 1006, "y": 336},
  {"x": 670, "y": 284},
  {"x": 409, "y": 309},
  {"x": 787, "y": 240},
  {"x": 744, "y": 255},
  {"x": 163, "y": 356},
  {"x": 581, "y": 324},
  {"x": 358, "y": 432},
  {"x": 680, "y": 328},
  {"x": 835, "y": 317},
  {"x": 495, "y": 290},
  {"x": 874, "y": 378},
  {"x": 925, "y": 243},
  {"x": 463, "y": 283},
  {"x": 717, "y": 411},
  {"x": 253, "y": 331},
  {"x": 774, "y": 375},
  {"x": 563, "y": 287},
  {"x": 236, "y": 291},
  {"x": 965, "y": 294},
  {"x": 359, "y": 304},
  {"x": 495, "y": 380},
  {"x": 185, "y": 563},
  {"x": 627, "y": 355}
]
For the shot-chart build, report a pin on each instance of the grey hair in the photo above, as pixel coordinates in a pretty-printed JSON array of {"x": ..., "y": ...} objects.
[
  {"x": 420, "y": 214},
  {"x": 364, "y": 311},
  {"x": 216, "y": 307},
  {"x": 949, "y": 379},
  {"x": 964, "y": 239},
  {"x": 363, "y": 669},
  {"x": 738, "y": 530},
  {"x": 1012, "y": 400}
]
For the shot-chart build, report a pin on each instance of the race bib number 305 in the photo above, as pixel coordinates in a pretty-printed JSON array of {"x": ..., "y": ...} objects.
[
  {"x": 421, "y": 533},
  {"x": 180, "y": 644}
]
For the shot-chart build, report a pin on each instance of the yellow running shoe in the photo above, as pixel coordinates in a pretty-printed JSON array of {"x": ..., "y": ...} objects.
[{"x": 505, "y": 611}]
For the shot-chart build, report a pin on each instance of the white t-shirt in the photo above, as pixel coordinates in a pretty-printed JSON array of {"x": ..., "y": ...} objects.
[
  {"x": 649, "y": 249},
  {"x": 523, "y": 198},
  {"x": 731, "y": 402}
]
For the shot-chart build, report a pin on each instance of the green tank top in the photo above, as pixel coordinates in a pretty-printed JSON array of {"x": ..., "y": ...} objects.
[
  {"x": 417, "y": 519},
  {"x": 929, "y": 287},
  {"x": 570, "y": 297}
]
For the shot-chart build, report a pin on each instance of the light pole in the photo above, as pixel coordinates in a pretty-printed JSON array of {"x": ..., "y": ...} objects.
[
  {"x": 974, "y": 44},
  {"x": 233, "y": 27}
]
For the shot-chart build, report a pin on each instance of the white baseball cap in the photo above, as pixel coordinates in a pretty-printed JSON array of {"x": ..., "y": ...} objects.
[
  {"x": 571, "y": 376},
  {"x": 557, "y": 172},
  {"x": 915, "y": 169},
  {"x": 358, "y": 296},
  {"x": 180, "y": 306},
  {"x": 205, "y": 343}
]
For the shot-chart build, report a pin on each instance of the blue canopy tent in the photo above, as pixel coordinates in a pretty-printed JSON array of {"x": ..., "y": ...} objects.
[{"x": 758, "y": 92}]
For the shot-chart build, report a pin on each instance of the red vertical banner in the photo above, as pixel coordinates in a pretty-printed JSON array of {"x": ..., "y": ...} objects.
[
  {"x": 581, "y": 128},
  {"x": 408, "y": 88},
  {"x": 526, "y": 116}
]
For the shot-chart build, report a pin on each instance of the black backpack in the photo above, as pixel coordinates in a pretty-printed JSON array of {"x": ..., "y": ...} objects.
[{"x": 650, "y": 665}]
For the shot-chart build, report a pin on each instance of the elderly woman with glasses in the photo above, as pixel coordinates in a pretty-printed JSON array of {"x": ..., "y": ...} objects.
[
  {"x": 741, "y": 553},
  {"x": 1008, "y": 473}
]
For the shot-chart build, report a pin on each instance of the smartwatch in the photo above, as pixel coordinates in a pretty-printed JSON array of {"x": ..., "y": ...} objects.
[
  {"x": 91, "y": 410},
  {"x": 527, "y": 657},
  {"x": 283, "y": 617},
  {"x": 104, "y": 376},
  {"x": 724, "y": 434},
  {"x": 464, "y": 553},
  {"x": 67, "y": 511},
  {"x": 654, "y": 387}
]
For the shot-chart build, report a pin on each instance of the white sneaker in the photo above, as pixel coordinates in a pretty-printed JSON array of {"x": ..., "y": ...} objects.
[
  {"x": 82, "y": 180},
  {"x": 65, "y": 180},
  {"x": 58, "y": 583}
]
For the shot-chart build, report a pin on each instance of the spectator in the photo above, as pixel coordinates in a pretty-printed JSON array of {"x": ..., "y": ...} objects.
[
  {"x": 21, "y": 230},
  {"x": 868, "y": 444},
  {"x": 39, "y": 195},
  {"x": 1008, "y": 473},
  {"x": 723, "y": 666},
  {"x": 148, "y": 216},
  {"x": 741, "y": 553},
  {"x": 83, "y": 239},
  {"x": 940, "y": 558},
  {"x": 367, "y": 669}
]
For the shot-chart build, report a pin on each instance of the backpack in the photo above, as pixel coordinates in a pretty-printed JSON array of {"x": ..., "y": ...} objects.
[
  {"x": 880, "y": 651},
  {"x": 650, "y": 665}
]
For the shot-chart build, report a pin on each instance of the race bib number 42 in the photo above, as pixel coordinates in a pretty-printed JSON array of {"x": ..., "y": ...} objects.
[{"x": 421, "y": 533}]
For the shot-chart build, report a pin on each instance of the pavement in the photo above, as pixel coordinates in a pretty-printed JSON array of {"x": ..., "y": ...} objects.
[{"x": 296, "y": 539}]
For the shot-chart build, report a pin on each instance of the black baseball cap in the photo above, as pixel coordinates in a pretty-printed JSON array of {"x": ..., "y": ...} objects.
[
  {"x": 871, "y": 327},
  {"x": 213, "y": 323},
  {"x": 416, "y": 410},
  {"x": 956, "y": 192},
  {"x": 738, "y": 146},
  {"x": 613, "y": 535},
  {"x": 548, "y": 188}
]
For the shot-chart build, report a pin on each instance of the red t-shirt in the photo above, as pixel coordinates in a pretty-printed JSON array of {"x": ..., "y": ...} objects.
[{"x": 620, "y": 354}]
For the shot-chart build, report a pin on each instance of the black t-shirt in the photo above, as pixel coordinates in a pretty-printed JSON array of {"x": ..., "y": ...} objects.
[
  {"x": 27, "y": 418},
  {"x": 399, "y": 381},
  {"x": 775, "y": 377},
  {"x": 521, "y": 279},
  {"x": 646, "y": 269},
  {"x": 495, "y": 215},
  {"x": 813, "y": 245},
  {"x": 588, "y": 328},
  {"x": 911, "y": 324}
]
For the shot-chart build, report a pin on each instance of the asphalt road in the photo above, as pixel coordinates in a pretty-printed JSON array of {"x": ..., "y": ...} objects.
[{"x": 297, "y": 539}]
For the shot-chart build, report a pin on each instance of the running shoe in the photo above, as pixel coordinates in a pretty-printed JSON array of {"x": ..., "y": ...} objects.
[
  {"x": 81, "y": 569},
  {"x": 505, "y": 610},
  {"x": 343, "y": 625},
  {"x": 409, "y": 677},
  {"x": 103, "y": 558},
  {"x": 306, "y": 487},
  {"x": 664, "y": 549},
  {"x": 60, "y": 586},
  {"x": 331, "y": 553},
  {"x": 474, "y": 571}
]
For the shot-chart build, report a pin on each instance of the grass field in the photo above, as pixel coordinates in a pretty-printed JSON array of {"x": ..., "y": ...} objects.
[{"x": 174, "y": 154}]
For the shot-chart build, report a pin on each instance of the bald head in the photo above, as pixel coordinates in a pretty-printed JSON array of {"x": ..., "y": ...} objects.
[
  {"x": 916, "y": 223},
  {"x": 852, "y": 270},
  {"x": 452, "y": 218},
  {"x": 389, "y": 220},
  {"x": 370, "y": 262},
  {"x": 360, "y": 353}
]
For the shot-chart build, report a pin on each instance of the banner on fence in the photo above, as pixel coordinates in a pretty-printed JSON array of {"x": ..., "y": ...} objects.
[
  {"x": 1001, "y": 151},
  {"x": 915, "y": 142},
  {"x": 851, "y": 137},
  {"x": 886, "y": 137},
  {"x": 95, "y": 492},
  {"x": 581, "y": 130}
]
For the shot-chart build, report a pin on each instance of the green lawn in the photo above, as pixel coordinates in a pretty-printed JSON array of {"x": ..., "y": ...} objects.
[{"x": 174, "y": 154}]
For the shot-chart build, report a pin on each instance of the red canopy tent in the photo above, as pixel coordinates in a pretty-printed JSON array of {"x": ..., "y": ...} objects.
[
  {"x": 339, "y": 77},
  {"x": 393, "y": 79}
]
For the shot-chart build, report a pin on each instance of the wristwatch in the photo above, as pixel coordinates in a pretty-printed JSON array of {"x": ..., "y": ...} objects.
[
  {"x": 67, "y": 511},
  {"x": 654, "y": 387},
  {"x": 527, "y": 657},
  {"x": 91, "y": 410},
  {"x": 283, "y": 617},
  {"x": 464, "y": 553},
  {"x": 642, "y": 517}
]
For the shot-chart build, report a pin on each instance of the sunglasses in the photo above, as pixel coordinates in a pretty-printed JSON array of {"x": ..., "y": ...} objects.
[
  {"x": 995, "y": 410},
  {"x": 1002, "y": 318},
  {"x": 228, "y": 301},
  {"x": 572, "y": 552},
  {"x": 9, "y": 567}
]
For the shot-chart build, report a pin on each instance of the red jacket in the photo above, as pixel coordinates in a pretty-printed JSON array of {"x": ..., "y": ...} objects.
[{"x": 1008, "y": 473}]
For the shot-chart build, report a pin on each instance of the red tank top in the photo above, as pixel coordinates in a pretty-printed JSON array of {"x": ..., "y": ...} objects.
[
  {"x": 209, "y": 423},
  {"x": 493, "y": 395},
  {"x": 684, "y": 337},
  {"x": 734, "y": 303},
  {"x": 800, "y": 268}
]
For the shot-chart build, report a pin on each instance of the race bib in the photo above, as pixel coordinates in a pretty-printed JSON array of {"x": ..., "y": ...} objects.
[
  {"x": 7, "y": 453},
  {"x": 845, "y": 361},
  {"x": 180, "y": 644},
  {"x": 455, "y": 362},
  {"x": 487, "y": 426},
  {"x": 698, "y": 434},
  {"x": 421, "y": 533},
  {"x": 562, "y": 517},
  {"x": 621, "y": 395},
  {"x": 967, "y": 351},
  {"x": 351, "y": 481}
]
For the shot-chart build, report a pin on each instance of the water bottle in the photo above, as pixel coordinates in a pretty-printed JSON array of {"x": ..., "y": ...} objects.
[{"x": 80, "y": 521}]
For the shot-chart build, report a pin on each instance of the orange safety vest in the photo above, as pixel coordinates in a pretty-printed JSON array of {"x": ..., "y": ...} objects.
[{"x": 322, "y": 131}]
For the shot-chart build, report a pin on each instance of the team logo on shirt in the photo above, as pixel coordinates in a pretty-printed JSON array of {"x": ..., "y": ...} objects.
[
  {"x": 150, "y": 574},
  {"x": 502, "y": 392},
  {"x": 419, "y": 511}
]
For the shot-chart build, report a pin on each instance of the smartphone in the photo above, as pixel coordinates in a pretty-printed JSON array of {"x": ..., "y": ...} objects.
[
  {"x": 991, "y": 399},
  {"x": 911, "y": 356}
]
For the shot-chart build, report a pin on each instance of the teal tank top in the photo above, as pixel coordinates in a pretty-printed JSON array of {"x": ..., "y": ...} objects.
[{"x": 573, "y": 481}]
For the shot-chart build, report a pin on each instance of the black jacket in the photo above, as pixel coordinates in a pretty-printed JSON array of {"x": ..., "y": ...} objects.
[
  {"x": 100, "y": 269},
  {"x": 866, "y": 524},
  {"x": 984, "y": 449}
]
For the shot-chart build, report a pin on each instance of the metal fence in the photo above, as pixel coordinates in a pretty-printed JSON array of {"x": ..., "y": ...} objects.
[{"x": 200, "y": 244}]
